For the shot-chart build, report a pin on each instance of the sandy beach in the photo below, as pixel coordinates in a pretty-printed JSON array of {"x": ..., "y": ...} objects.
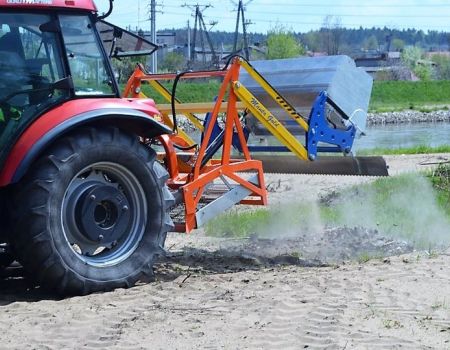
[{"x": 209, "y": 294}]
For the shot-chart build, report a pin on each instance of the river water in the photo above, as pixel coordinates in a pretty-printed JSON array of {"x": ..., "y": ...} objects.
[
  {"x": 404, "y": 135},
  {"x": 381, "y": 136}
]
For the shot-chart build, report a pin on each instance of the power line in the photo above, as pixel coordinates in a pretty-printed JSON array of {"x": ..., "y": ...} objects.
[
  {"x": 346, "y": 14},
  {"x": 264, "y": 16},
  {"x": 365, "y": 6},
  {"x": 411, "y": 6},
  {"x": 264, "y": 20},
  {"x": 350, "y": 15}
]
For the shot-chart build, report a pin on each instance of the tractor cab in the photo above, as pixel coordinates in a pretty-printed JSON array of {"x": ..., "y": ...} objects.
[
  {"x": 51, "y": 56},
  {"x": 46, "y": 59},
  {"x": 72, "y": 147}
]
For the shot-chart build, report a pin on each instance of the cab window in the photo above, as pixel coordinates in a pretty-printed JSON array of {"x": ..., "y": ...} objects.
[
  {"x": 30, "y": 64},
  {"x": 29, "y": 60},
  {"x": 88, "y": 65}
]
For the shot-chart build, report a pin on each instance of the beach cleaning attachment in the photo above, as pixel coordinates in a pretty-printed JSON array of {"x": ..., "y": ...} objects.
[
  {"x": 206, "y": 187},
  {"x": 335, "y": 91}
]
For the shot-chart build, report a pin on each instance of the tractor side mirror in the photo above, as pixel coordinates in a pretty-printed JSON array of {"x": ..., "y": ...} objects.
[{"x": 111, "y": 6}]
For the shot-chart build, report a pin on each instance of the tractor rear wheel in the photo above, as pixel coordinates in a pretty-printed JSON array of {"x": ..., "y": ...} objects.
[{"x": 92, "y": 213}]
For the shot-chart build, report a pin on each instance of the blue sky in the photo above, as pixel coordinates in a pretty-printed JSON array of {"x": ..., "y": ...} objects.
[{"x": 300, "y": 15}]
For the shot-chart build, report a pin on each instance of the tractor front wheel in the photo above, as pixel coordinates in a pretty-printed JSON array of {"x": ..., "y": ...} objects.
[{"x": 92, "y": 212}]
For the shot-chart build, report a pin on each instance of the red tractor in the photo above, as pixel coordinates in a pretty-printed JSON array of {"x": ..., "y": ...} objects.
[
  {"x": 84, "y": 201},
  {"x": 85, "y": 198}
]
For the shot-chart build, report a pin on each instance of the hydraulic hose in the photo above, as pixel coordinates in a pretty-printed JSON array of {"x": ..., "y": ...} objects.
[{"x": 173, "y": 98}]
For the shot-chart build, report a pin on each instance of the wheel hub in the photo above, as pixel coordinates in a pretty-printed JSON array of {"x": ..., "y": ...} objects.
[{"x": 103, "y": 214}]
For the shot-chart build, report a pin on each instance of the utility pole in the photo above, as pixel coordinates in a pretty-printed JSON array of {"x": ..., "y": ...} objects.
[
  {"x": 244, "y": 34},
  {"x": 201, "y": 34},
  {"x": 154, "y": 39},
  {"x": 139, "y": 14},
  {"x": 236, "y": 32},
  {"x": 240, "y": 18},
  {"x": 195, "y": 38},
  {"x": 189, "y": 40}
]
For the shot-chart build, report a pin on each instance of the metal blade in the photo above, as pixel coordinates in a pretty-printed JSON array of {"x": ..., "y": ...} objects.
[{"x": 361, "y": 166}]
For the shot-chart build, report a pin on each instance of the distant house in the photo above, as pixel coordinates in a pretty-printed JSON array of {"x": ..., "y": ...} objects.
[
  {"x": 383, "y": 65},
  {"x": 255, "y": 52},
  {"x": 166, "y": 41}
]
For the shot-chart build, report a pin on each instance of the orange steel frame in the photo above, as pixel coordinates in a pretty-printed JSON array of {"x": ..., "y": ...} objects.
[{"x": 193, "y": 183}]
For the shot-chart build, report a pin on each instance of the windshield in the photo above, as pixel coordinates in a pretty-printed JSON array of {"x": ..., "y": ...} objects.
[
  {"x": 88, "y": 66},
  {"x": 30, "y": 62}
]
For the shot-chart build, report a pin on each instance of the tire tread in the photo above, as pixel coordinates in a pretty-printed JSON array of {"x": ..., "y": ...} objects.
[{"x": 31, "y": 236}]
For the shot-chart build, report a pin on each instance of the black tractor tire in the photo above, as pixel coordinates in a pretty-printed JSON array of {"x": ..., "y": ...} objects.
[{"x": 92, "y": 213}]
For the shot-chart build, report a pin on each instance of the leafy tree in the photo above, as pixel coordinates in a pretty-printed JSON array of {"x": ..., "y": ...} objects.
[
  {"x": 353, "y": 37},
  {"x": 281, "y": 43},
  {"x": 442, "y": 67},
  {"x": 331, "y": 33},
  {"x": 124, "y": 67},
  {"x": 398, "y": 44},
  {"x": 312, "y": 41},
  {"x": 412, "y": 58},
  {"x": 371, "y": 43},
  {"x": 423, "y": 71},
  {"x": 420, "y": 38},
  {"x": 411, "y": 55},
  {"x": 173, "y": 62}
]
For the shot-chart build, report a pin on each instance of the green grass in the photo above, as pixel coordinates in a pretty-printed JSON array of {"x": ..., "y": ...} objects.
[
  {"x": 364, "y": 257},
  {"x": 410, "y": 207},
  {"x": 399, "y": 206},
  {"x": 239, "y": 224},
  {"x": 440, "y": 179},
  {"x": 187, "y": 91},
  {"x": 417, "y": 95},
  {"x": 422, "y": 149},
  {"x": 386, "y": 95},
  {"x": 260, "y": 221}
]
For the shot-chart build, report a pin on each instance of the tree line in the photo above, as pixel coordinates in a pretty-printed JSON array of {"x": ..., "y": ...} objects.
[{"x": 333, "y": 38}]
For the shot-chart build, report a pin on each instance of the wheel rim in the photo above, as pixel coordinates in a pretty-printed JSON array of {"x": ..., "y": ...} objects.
[{"x": 104, "y": 214}]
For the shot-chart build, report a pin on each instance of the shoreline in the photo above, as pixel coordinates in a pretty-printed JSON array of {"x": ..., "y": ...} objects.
[
  {"x": 407, "y": 117},
  {"x": 402, "y": 117}
]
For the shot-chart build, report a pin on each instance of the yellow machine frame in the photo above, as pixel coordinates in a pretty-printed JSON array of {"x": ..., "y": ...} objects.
[{"x": 247, "y": 101}]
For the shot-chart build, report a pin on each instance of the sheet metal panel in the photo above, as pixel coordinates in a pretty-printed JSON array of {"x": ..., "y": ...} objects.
[{"x": 300, "y": 80}]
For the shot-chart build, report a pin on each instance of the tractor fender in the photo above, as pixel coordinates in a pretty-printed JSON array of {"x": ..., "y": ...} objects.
[{"x": 26, "y": 151}]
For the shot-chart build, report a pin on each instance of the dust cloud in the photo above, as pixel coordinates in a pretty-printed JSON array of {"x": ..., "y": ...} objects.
[
  {"x": 390, "y": 216},
  {"x": 409, "y": 211}
]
